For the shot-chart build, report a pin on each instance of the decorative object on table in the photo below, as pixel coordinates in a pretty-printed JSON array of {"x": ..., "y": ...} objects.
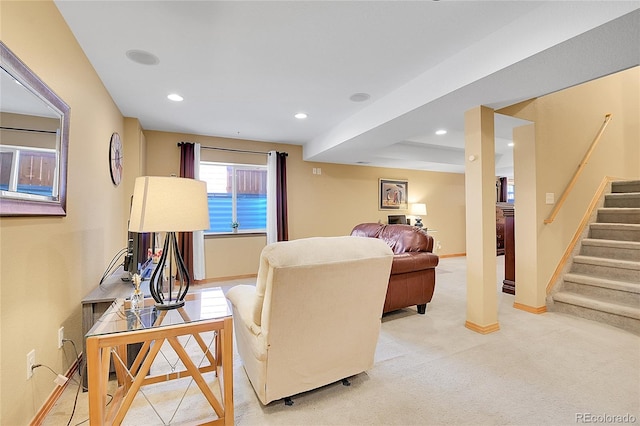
[
  {"x": 155, "y": 256},
  {"x": 155, "y": 251},
  {"x": 115, "y": 158},
  {"x": 418, "y": 210},
  {"x": 137, "y": 298},
  {"x": 393, "y": 194},
  {"x": 234, "y": 226},
  {"x": 170, "y": 205}
]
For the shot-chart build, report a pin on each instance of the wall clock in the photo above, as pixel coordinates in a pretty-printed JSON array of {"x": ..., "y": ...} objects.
[{"x": 115, "y": 158}]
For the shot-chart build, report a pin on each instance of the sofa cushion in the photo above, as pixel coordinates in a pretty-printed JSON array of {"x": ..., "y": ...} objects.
[
  {"x": 371, "y": 230},
  {"x": 401, "y": 238},
  {"x": 405, "y": 238}
]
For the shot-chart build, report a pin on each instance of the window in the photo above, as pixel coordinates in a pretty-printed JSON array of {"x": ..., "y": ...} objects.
[
  {"x": 511, "y": 188},
  {"x": 237, "y": 193},
  {"x": 28, "y": 171}
]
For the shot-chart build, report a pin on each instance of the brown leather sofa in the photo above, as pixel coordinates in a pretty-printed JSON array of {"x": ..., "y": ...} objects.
[{"x": 413, "y": 276}]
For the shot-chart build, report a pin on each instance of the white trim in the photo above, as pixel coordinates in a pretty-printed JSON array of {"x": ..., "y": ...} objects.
[
  {"x": 272, "y": 226},
  {"x": 199, "y": 272}
]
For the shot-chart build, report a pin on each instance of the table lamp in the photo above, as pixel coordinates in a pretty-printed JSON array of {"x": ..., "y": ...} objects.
[
  {"x": 417, "y": 210},
  {"x": 170, "y": 205}
]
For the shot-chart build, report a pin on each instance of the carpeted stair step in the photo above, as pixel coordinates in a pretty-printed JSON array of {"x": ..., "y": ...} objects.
[
  {"x": 622, "y": 270},
  {"x": 602, "y": 288},
  {"x": 615, "y": 231},
  {"x": 612, "y": 249},
  {"x": 618, "y": 315},
  {"x": 625, "y": 186},
  {"x": 619, "y": 215},
  {"x": 630, "y": 199}
]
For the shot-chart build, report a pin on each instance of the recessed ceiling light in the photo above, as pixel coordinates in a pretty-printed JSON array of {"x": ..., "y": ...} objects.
[
  {"x": 142, "y": 57},
  {"x": 441, "y": 132},
  {"x": 175, "y": 97},
  {"x": 510, "y": 144},
  {"x": 360, "y": 97},
  {"x": 300, "y": 116}
]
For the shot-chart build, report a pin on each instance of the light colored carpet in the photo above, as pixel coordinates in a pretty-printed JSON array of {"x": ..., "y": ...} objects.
[{"x": 549, "y": 369}]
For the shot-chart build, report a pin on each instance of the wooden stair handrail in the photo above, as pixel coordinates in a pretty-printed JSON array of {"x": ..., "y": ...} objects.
[{"x": 577, "y": 173}]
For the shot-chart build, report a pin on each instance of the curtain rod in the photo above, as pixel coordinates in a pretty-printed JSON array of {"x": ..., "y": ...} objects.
[
  {"x": 234, "y": 150},
  {"x": 17, "y": 129}
]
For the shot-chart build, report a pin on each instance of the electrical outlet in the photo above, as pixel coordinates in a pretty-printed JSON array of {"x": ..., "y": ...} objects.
[
  {"x": 31, "y": 361},
  {"x": 60, "y": 337}
]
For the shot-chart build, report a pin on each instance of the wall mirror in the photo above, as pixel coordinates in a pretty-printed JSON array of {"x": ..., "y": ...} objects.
[{"x": 34, "y": 141}]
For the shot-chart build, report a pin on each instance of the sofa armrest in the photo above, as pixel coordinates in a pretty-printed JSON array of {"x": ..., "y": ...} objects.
[{"x": 413, "y": 261}]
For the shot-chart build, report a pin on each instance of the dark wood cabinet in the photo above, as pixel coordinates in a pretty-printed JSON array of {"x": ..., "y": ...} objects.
[
  {"x": 508, "y": 214},
  {"x": 499, "y": 231}
]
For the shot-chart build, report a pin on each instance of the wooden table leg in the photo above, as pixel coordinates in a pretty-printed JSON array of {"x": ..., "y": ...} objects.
[
  {"x": 95, "y": 380},
  {"x": 227, "y": 369}
]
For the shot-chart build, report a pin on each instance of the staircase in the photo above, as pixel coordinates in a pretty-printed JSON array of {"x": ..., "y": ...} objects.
[{"x": 603, "y": 283}]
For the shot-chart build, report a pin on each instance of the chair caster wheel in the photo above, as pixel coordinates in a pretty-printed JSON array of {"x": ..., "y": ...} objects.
[{"x": 288, "y": 401}]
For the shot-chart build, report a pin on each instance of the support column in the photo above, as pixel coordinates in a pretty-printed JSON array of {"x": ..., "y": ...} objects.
[
  {"x": 530, "y": 295},
  {"x": 480, "y": 190}
]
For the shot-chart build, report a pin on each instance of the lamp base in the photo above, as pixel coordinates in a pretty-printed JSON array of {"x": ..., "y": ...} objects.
[
  {"x": 176, "y": 283},
  {"x": 418, "y": 223},
  {"x": 168, "y": 305}
]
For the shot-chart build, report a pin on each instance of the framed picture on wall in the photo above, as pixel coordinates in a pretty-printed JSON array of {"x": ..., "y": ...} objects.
[{"x": 393, "y": 194}]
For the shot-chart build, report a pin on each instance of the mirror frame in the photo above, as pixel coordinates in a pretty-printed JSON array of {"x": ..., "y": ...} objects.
[{"x": 24, "y": 207}]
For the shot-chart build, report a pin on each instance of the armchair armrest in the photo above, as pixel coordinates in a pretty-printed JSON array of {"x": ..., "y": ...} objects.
[{"x": 243, "y": 299}]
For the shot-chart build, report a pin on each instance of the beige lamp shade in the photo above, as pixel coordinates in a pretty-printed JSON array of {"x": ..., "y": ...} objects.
[
  {"x": 169, "y": 204},
  {"x": 418, "y": 209}
]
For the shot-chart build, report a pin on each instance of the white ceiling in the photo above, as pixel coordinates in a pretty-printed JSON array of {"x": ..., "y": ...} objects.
[{"x": 245, "y": 68}]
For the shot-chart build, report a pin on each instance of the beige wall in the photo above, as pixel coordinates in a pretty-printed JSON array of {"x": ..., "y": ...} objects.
[
  {"x": 135, "y": 161},
  {"x": 566, "y": 123},
  {"x": 48, "y": 264},
  {"x": 328, "y": 204}
]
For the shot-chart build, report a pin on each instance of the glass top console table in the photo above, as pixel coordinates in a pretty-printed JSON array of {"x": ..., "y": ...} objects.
[{"x": 195, "y": 342}]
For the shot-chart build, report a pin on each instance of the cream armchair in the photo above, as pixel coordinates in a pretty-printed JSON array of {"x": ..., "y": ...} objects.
[{"x": 313, "y": 317}]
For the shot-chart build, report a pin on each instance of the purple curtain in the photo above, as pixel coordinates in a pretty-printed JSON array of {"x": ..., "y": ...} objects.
[
  {"x": 281, "y": 196},
  {"x": 187, "y": 170}
]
